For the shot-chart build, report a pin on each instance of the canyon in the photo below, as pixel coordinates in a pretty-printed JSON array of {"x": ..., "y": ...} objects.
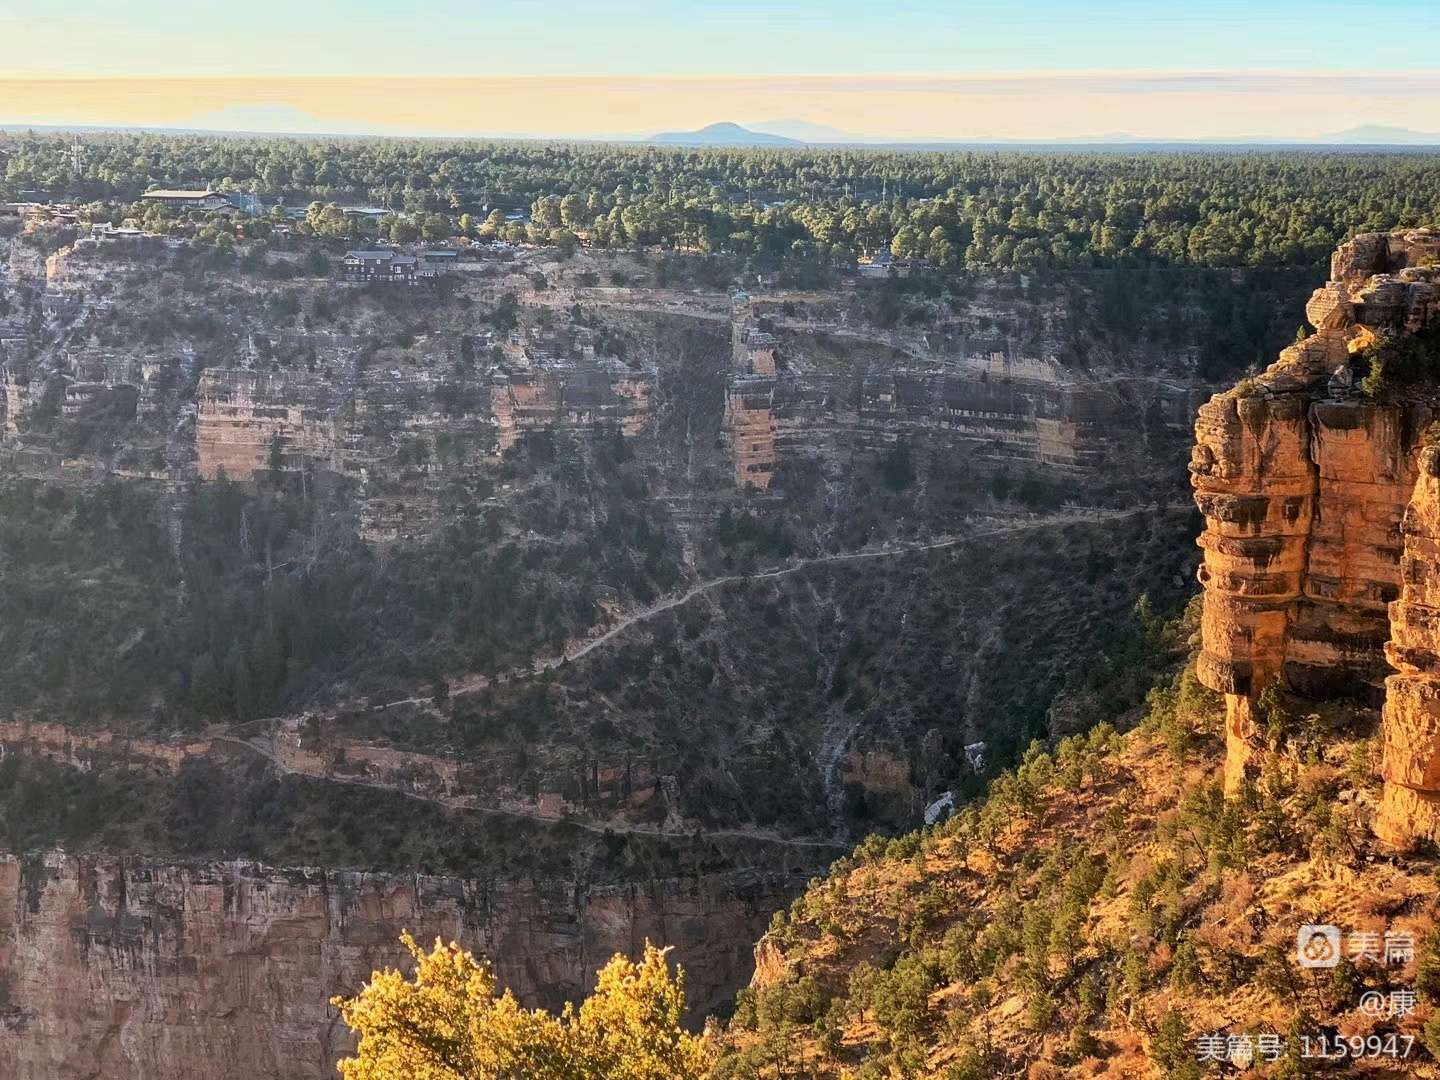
[{"x": 752, "y": 527}]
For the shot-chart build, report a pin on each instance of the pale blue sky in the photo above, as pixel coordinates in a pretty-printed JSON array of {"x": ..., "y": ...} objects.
[
  {"x": 520, "y": 37},
  {"x": 913, "y": 69}
]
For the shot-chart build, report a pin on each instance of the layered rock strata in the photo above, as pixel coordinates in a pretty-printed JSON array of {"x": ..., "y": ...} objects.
[
  {"x": 1003, "y": 408},
  {"x": 1305, "y": 483},
  {"x": 750, "y": 426},
  {"x": 135, "y": 969},
  {"x": 571, "y": 395},
  {"x": 248, "y": 422}
]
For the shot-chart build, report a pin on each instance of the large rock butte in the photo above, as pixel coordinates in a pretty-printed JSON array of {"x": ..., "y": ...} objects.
[{"x": 1322, "y": 526}]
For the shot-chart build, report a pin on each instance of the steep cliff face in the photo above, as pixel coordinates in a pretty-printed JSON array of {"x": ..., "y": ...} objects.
[
  {"x": 1410, "y": 806},
  {"x": 1031, "y": 413},
  {"x": 136, "y": 969},
  {"x": 1305, "y": 482},
  {"x": 573, "y": 396},
  {"x": 788, "y": 401},
  {"x": 245, "y": 419}
]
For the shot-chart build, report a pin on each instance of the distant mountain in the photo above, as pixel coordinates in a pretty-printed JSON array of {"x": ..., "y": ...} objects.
[
  {"x": 792, "y": 132},
  {"x": 1381, "y": 135},
  {"x": 723, "y": 134},
  {"x": 1378, "y": 135},
  {"x": 259, "y": 119}
]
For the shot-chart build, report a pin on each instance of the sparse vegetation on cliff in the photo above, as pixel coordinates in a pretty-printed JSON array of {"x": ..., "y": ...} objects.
[
  {"x": 232, "y": 805},
  {"x": 1400, "y": 363},
  {"x": 242, "y": 603},
  {"x": 1101, "y": 910},
  {"x": 784, "y": 701}
]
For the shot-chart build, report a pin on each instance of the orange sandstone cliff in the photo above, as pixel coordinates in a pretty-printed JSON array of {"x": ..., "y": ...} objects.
[{"x": 1322, "y": 525}]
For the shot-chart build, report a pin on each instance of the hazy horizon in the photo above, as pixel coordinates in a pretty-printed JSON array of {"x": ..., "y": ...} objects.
[
  {"x": 910, "y": 71},
  {"x": 1175, "y": 106}
]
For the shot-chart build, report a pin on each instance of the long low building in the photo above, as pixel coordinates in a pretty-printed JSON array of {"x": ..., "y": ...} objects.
[{"x": 188, "y": 200}]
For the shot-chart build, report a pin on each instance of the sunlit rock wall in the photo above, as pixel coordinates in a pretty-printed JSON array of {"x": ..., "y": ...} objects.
[{"x": 1317, "y": 501}]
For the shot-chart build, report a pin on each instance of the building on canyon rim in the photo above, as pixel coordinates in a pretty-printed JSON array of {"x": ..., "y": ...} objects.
[{"x": 1321, "y": 545}]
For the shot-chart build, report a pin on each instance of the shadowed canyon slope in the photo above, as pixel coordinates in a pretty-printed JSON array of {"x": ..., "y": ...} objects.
[
  {"x": 547, "y": 614},
  {"x": 1126, "y": 903}
]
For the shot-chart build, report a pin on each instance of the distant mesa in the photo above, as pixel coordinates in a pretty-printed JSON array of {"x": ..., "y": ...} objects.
[{"x": 724, "y": 134}]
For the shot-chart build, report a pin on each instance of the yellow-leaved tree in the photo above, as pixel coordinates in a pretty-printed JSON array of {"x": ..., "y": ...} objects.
[{"x": 446, "y": 1023}]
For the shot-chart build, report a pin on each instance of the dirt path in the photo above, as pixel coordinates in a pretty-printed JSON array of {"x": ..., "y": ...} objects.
[
  {"x": 261, "y": 745},
  {"x": 796, "y": 567},
  {"x": 469, "y": 684},
  {"x": 472, "y": 683}
]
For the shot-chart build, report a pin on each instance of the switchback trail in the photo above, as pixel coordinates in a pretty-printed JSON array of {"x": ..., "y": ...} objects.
[
  {"x": 473, "y": 683},
  {"x": 469, "y": 684},
  {"x": 261, "y": 745},
  {"x": 888, "y": 551}
]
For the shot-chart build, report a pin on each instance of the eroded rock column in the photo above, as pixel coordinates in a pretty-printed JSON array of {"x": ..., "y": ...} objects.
[
  {"x": 1255, "y": 483},
  {"x": 750, "y": 423},
  {"x": 1410, "y": 762}
]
